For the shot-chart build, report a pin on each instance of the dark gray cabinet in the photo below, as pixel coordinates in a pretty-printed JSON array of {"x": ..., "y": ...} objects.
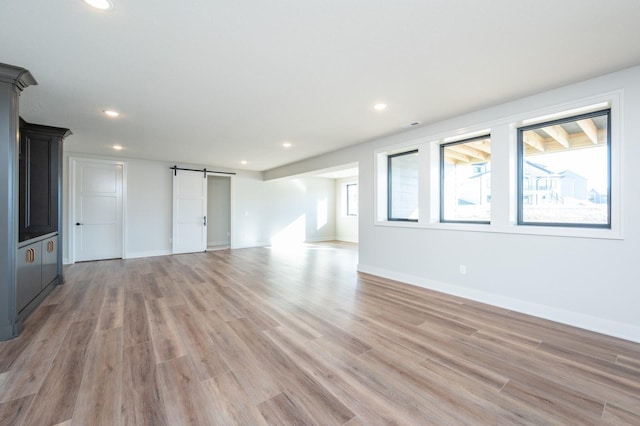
[
  {"x": 29, "y": 271},
  {"x": 37, "y": 267},
  {"x": 39, "y": 258},
  {"x": 49, "y": 260},
  {"x": 13, "y": 80},
  {"x": 39, "y": 161}
]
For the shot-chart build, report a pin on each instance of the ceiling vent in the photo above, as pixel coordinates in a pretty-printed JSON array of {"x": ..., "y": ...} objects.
[{"x": 412, "y": 124}]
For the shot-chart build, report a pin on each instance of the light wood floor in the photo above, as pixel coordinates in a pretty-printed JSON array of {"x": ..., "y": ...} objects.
[{"x": 261, "y": 336}]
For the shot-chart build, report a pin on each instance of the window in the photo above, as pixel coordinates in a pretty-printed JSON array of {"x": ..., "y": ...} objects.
[
  {"x": 403, "y": 186},
  {"x": 564, "y": 172},
  {"x": 553, "y": 173},
  {"x": 465, "y": 180},
  {"x": 352, "y": 199}
]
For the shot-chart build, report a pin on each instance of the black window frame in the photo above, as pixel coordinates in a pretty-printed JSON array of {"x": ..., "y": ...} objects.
[
  {"x": 347, "y": 194},
  {"x": 390, "y": 157},
  {"x": 442, "y": 148},
  {"x": 520, "y": 192}
]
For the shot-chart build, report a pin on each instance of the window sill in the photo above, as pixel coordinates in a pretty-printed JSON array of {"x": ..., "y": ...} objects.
[{"x": 549, "y": 231}]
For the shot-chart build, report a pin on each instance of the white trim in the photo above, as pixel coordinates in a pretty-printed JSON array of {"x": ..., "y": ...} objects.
[
  {"x": 125, "y": 255},
  {"x": 219, "y": 247},
  {"x": 550, "y": 231},
  {"x": 251, "y": 245},
  {"x": 72, "y": 203},
  {"x": 139, "y": 254},
  {"x": 600, "y": 325},
  {"x": 465, "y": 136},
  {"x": 321, "y": 239},
  {"x": 232, "y": 211}
]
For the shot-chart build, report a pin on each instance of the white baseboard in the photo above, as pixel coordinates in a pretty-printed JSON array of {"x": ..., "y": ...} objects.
[
  {"x": 600, "y": 325},
  {"x": 218, "y": 243},
  {"x": 347, "y": 240},
  {"x": 249, "y": 245},
  {"x": 321, "y": 239},
  {"x": 139, "y": 254}
]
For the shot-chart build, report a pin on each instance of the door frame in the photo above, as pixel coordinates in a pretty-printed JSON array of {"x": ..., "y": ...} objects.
[
  {"x": 73, "y": 161},
  {"x": 232, "y": 207}
]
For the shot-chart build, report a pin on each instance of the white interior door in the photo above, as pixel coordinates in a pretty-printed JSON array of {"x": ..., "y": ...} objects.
[
  {"x": 97, "y": 221},
  {"x": 189, "y": 211}
]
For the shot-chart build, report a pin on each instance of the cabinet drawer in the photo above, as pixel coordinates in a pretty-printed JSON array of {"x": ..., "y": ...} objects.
[{"x": 29, "y": 274}]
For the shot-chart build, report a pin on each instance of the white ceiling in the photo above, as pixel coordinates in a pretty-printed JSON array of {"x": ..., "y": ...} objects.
[{"x": 217, "y": 82}]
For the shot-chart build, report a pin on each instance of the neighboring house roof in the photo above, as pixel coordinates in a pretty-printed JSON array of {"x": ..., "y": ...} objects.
[
  {"x": 561, "y": 175},
  {"x": 480, "y": 174},
  {"x": 539, "y": 166},
  {"x": 571, "y": 173}
]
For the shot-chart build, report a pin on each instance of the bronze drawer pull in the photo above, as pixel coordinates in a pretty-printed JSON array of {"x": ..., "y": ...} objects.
[
  {"x": 50, "y": 246},
  {"x": 31, "y": 255}
]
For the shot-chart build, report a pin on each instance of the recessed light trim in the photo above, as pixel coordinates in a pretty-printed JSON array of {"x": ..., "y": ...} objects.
[
  {"x": 380, "y": 106},
  {"x": 117, "y": 147},
  {"x": 286, "y": 144},
  {"x": 100, "y": 4},
  {"x": 243, "y": 162},
  {"x": 111, "y": 113}
]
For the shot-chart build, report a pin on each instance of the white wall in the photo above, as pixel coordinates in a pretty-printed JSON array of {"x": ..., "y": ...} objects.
[
  {"x": 261, "y": 211},
  {"x": 346, "y": 226},
  {"x": 293, "y": 210},
  {"x": 588, "y": 282},
  {"x": 148, "y": 204},
  {"x": 218, "y": 211}
]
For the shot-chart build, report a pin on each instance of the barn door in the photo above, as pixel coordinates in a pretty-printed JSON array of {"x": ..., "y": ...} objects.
[{"x": 189, "y": 211}]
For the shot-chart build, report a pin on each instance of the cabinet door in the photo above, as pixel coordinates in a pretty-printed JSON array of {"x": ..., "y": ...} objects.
[
  {"x": 29, "y": 274},
  {"x": 38, "y": 183},
  {"x": 49, "y": 260}
]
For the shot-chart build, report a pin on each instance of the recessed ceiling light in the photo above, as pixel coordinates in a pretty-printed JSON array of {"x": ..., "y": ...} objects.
[
  {"x": 243, "y": 162},
  {"x": 100, "y": 4},
  {"x": 286, "y": 145},
  {"x": 111, "y": 113},
  {"x": 117, "y": 147},
  {"x": 380, "y": 107}
]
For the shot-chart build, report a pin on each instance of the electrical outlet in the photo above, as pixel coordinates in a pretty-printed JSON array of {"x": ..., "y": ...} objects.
[{"x": 463, "y": 269}]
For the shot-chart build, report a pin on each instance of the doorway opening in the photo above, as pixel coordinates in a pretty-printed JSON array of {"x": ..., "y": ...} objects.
[
  {"x": 347, "y": 202},
  {"x": 218, "y": 212}
]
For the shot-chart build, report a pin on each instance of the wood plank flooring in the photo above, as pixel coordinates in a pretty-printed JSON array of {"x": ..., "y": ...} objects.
[{"x": 267, "y": 336}]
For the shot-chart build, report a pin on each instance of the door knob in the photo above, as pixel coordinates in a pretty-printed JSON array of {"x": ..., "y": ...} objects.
[{"x": 78, "y": 224}]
